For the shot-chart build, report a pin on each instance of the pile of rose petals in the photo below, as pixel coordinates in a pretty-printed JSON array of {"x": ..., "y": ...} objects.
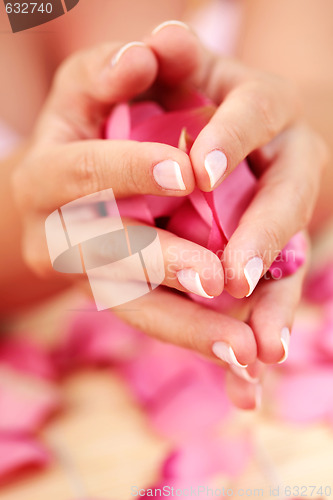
[{"x": 182, "y": 395}]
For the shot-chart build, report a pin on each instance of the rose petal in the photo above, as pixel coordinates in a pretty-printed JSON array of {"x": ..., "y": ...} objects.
[
  {"x": 118, "y": 125},
  {"x": 20, "y": 452},
  {"x": 25, "y": 402},
  {"x": 168, "y": 127},
  {"x": 27, "y": 357}
]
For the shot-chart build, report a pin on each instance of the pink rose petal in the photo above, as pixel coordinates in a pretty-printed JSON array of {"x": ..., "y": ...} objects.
[
  {"x": 25, "y": 403},
  {"x": 118, "y": 125},
  {"x": 307, "y": 397},
  {"x": 25, "y": 356},
  {"x": 20, "y": 452},
  {"x": 99, "y": 339}
]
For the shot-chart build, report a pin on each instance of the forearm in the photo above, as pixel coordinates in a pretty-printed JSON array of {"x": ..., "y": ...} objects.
[
  {"x": 19, "y": 287},
  {"x": 295, "y": 39}
]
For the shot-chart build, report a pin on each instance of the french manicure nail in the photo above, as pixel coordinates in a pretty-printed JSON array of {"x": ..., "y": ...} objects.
[
  {"x": 244, "y": 374},
  {"x": 168, "y": 175},
  {"x": 252, "y": 271},
  {"x": 215, "y": 165},
  {"x": 258, "y": 396},
  {"x": 285, "y": 339},
  {"x": 123, "y": 49},
  {"x": 170, "y": 23},
  {"x": 226, "y": 354},
  {"x": 190, "y": 279}
]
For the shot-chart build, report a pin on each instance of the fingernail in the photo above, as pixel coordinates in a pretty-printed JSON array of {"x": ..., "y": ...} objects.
[
  {"x": 168, "y": 175},
  {"x": 123, "y": 49},
  {"x": 215, "y": 165},
  {"x": 170, "y": 23},
  {"x": 285, "y": 339},
  {"x": 244, "y": 374},
  {"x": 226, "y": 353},
  {"x": 252, "y": 271},
  {"x": 258, "y": 396},
  {"x": 190, "y": 279}
]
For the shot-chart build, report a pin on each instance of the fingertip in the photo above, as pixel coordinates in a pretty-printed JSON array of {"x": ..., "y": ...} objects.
[
  {"x": 177, "y": 50},
  {"x": 244, "y": 395},
  {"x": 132, "y": 70},
  {"x": 271, "y": 335}
]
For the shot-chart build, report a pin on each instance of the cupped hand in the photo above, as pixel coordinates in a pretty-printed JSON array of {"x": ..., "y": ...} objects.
[{"x": 66, "y": 159}]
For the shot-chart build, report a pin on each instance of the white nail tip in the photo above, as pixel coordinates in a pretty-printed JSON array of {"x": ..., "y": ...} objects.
[
  {"x": 123, "y": 49},
  {"x": 252, "y": 272},
  {"x": 170, "y": 23},
  {"x": 215, "y": 165},
  {"x": 285, "y": 339},
  {"x": 190, "y": 280},
  {"x": 244, "y": 374},
  {"x": 168, "y": 175},
  {"x": 226, "y": 354}
]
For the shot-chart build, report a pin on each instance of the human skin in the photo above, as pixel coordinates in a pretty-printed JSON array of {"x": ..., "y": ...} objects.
[{"x": 243, "y": 341}]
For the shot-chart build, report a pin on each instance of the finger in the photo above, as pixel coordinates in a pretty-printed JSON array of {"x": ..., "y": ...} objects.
[
  {"x": 89, "y": 82},
  {"x": 272, "y": 317},
  {"x": 181, "y": 264},
  {"x": 243, "y": 394},
  {"x": 85, "y": 167},
  {"x": 177, "y": 49},
  {"x": 191, "y": 326},
  {"x": 189, "y": 267},
  {"x": 250, "y": 116},
  {"x": 283, "y": 205}
]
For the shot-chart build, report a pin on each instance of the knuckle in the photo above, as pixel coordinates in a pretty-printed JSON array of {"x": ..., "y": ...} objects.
[
  {"x": 273, "y": 234},
  {"x": 131, "y": 172},
  {"x": 237, "y": 138},
  {"x": 87, "y": 177},
  {"x": 259, "y": 99}
]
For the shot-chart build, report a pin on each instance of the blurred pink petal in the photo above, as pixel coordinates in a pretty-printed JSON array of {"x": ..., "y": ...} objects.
[
  {"x": 290, "y": 258},
  {"x": 325, "y": 333},
  {"x": 97, "y": 338},
  {"x": 182, "y": 393},
  {"x": 307, "y": 397},
  {"x": 27, "y": 357},
  {"x": 118, "y": 125},
  {"x": 203, "y": 457},
  {"x": 192, "y": 408},
  {"x": 197, "y": 461},
  {"x": 20, "y": 452},
  {"x": 319, "y": 286},
  {"x": 25, "y": 402}
]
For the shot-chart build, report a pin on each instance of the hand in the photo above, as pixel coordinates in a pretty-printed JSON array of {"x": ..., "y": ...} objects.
[{"x": 62, "y": 165}]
